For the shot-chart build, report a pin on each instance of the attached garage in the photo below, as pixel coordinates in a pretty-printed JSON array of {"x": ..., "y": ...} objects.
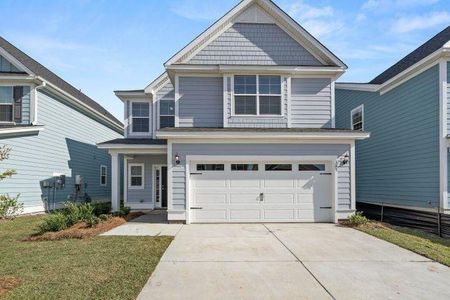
[{"x": 261, "y": 191}]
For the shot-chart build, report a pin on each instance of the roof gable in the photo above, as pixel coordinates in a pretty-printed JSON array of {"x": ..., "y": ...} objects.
[
  {"x": 7, "y": 67},
  {"x": 432, "y": 45},
  {"x": 260, "y": 12}
]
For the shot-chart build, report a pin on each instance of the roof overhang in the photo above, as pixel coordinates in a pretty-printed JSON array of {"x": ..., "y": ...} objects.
[
  {"x": 261, "y": 135},
  {"x": 14, "y": 131},
  {"x": 127, "y": 95},
  {"x": 400, "y": 78},
  {"x": 128, "y": 146}
]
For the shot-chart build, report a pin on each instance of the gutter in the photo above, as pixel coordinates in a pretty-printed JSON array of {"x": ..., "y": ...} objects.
[{"x": 19, "y": 130}]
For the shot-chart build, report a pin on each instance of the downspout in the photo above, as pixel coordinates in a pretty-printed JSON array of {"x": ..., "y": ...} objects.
[{"x": 35, "y": 110}]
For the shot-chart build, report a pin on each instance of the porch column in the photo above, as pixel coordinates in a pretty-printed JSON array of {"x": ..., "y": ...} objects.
[{"x": 115, "y": 181}]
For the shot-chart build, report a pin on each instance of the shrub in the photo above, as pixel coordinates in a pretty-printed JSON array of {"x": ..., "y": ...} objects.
[
  {"x": 357, "y": 219},
  {"x": 124, "y": 211},
  {"x": 79, "y": 213},
  {"x": 104, "y": 217},
  {"x": 54, "y": 222},
  {"x": 101, "y": 208},
  {"x": 9, "y": 207}
]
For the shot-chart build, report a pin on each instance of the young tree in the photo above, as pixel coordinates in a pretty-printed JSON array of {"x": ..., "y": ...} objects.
[{"x": 9, "y": 206}]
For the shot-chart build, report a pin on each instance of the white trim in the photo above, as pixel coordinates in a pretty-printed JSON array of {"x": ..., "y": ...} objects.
[
  {"x": 125, "y": 179},
  {"x": 136, "y": 187},
  {"x": 155, "y": 114},
  {"x": 169, "y": 176},
  {"x": 263, "y": 135},
  {"x": 333, "y": 104},
  {"x": 443, "y": 142},
  {"x": 156, "y": 84},
  {"x": 177, "y": 98},
  {"x": 129, "y": 147},
  {"x": 115, "y": 181},
  {"x": 356, "y": 109},
  {"x": 130, "y": 119},
  {"x": 106, "y": 175},
  {"x": 18, "y": 130},
  {"x": 261, "y": 141},
  {"x": 244, "y": 158},
  {"x": 12, "y": 60},
  {"x": 353, "y": 175},
  {"x": 289, "y": 101},
  {"x": 225, "y": 98},
  {"x": 365, "y": 87}
]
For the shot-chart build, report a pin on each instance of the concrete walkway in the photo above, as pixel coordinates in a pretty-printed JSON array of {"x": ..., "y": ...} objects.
[
  {"x": 152, "y": 224},
  {"x": 291, "y": 261}
]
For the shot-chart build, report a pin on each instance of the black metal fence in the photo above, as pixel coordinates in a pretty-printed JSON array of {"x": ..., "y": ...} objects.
[{"x": 433, "y": 222}]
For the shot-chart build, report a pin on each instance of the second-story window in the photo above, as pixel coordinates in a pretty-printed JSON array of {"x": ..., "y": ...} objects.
[
  {"x": 140, "y": 112},
  {"x": 357, "y": 118},
  {"x": 166, "y": 113},
  {"x": 256, "y": 95},
  {"x": 6, "y": 104}
]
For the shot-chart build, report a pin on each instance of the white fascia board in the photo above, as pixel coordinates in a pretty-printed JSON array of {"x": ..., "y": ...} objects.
[
  {"x": 19, "y": 130},
  {"x": 127, "y": 146},
  {"x": 365, "y": 87},
  {"x": 130, "y": 95},
  {"x": 156, "y": 84},
  {"x": 263, "y": 135}
]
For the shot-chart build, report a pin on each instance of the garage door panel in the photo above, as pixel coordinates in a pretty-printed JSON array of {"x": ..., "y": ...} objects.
[
  {"x": 305, "y": 214},
  {"x": 247, "y": 183},
  {"x": 209, "y": 183},
  {"x": 211, "y": 198},
  {"x": 204, "y": 215},
  {"x": 245, "y": 214},
  {"x": 279, "y": 214},
  {"x": 305, "y": 198},
  {"x": 278, "y": 183},
  {"x": 244, "y": 198},
  {"x": 279, "y": 198}
]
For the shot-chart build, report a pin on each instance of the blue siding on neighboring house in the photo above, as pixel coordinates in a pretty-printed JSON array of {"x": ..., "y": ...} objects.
[
  {"x": 201, "y": 102},
  {"x": 7, "y": 67},
  {"x": 179, "y": 171},
  {"x": 145, "y": 195},
  {"x": 255, "y": 44},
  {"x": 311, "y": 102},
  {"x": 67, "y": 145},
  {"x": 399, "y": 163}
]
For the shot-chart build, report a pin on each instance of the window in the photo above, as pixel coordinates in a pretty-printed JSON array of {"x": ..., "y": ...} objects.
[
  {"x": 136, "y": 176},
  {"x": 166, "y": 113},
  {"x": 257, "y": 95},
  {"x": 279, "y": 167},
  {"x": 311, "y": 167},
  {"x": 357, "y": 118},
  {"x": 103, "y": 175},
  {"x": 210, "y": 167},
  {"x": 140, "y": 112},
  {"x": 244, "y": 167},
  {"x": 6, "y": 104}
]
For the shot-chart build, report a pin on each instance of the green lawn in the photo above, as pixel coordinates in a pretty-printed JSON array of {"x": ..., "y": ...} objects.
[
  {"x": 426, "y": 244},
  {"x": 96, "y": 268}
]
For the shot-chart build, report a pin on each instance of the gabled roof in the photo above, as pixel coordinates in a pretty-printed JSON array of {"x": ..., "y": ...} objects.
[
  {"x": 432, "y": 45},
  {"x": 272, "y": 9},
  {"x": 39, "y": 70}
]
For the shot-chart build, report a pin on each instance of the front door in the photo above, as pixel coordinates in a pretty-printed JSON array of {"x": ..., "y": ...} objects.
[{"x": 163, "y": 186}]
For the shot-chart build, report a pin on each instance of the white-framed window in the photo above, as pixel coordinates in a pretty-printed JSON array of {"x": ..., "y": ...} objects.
[
  {"x": 103, "y": 175},
  {"x": 136, "y": 176},
  {"x": 140, "y": 117},
  {"x": 6, "y": 104},
  {"x": 257, "y": 95},
  {"x": 166, "y": 113},
  {"x": 357, "y": 118}
]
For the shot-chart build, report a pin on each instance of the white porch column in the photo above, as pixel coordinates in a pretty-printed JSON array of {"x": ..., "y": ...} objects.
[{"x": 115, "y": 181}]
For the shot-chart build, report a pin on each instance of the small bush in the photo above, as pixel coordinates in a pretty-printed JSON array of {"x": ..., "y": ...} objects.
[
  {"x": 101, "y": 208},
  {"x": 54, "y": 222},
  {"x": 357, "y": 219},
  {"x": 9, "y": 207},
  {"x": 104, "y": 217},
  {"x": 124, "y": 211}
]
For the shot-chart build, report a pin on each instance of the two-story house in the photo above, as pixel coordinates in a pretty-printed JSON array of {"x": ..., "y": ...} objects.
[
  {"x": 406, "y": 109},
  {"x": 52, "y": 129},
  {"x": 240, "y": 128}
]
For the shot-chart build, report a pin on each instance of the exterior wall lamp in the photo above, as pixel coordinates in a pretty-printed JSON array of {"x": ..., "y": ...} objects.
[
  {"x": 177, "y": 159},
  {"x": 343, "y": 160}
]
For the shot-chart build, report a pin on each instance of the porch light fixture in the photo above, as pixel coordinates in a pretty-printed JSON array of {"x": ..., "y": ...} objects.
[
  {"x": 177, "y": 159},
  {"x": 343, "y": 160}
]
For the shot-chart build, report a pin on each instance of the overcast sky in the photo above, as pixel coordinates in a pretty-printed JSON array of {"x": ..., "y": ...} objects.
[{"x": 104, "y": 45}]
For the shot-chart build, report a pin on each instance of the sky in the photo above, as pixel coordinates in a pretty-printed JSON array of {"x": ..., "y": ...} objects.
[{"x": 104, "y": 45}]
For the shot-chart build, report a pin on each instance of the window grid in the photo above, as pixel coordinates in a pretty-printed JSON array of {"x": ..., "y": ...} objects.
[
  {"x": 166, "y": 116},
  {"x": 357, "y": 118},
  {"x": 103, "y": 175},
  {"x": 6, "y": 104},
  {"x": 136, "y": 176},
  {"x": 140, "y": 117},
  {"x": 258, "y": 95}
]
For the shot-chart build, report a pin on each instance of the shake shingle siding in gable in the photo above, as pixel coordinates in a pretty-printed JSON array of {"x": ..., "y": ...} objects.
[
  {"x": 399, "y": 163},
  {"x": 255, "y": 44}
]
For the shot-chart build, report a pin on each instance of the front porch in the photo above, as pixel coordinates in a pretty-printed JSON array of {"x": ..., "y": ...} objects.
[{"x": 138, "y": 172}]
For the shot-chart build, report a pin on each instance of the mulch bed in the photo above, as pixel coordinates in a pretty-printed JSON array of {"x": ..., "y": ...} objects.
[
  {"x": 8, "y": 283},
  {"x": 83, "y": 231}
]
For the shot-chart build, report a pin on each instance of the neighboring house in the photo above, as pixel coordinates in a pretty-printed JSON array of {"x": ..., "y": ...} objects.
[
  {"x": 52, "y": 129},
  {"x": 406, "y": 110},
  {"x": 240, "y": 128}
]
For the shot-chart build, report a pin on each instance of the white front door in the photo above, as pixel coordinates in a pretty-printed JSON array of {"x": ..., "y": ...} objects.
[{"x": 261, "y": 192}]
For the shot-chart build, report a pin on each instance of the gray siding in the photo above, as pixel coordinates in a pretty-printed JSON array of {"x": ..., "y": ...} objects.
[
  {"x": 179, "y": 171},
  {"x": 201, "y": 102},
  {"x": 311, "y": 102},
  {"x": 399, "y": 163},
  {"x": 67, "y": 146},
  {"x": 255, "y": 44},
  {"x": 145, "y": 195},
  {"x": 448, "y": 97},
  {"x": 257, "y": 121},
  {"x": 6, "y": 66}
]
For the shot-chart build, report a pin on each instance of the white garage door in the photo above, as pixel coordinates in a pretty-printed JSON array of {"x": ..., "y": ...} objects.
[{"x": 261, "y": 192}]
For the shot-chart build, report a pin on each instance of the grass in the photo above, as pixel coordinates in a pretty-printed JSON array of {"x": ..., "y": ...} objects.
[
  {"x": 93, "y": 268},
  {"x": 420, "y": 242}
]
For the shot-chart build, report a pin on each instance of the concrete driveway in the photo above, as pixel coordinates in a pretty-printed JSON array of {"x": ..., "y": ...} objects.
[{"x": 291, "y": 261}]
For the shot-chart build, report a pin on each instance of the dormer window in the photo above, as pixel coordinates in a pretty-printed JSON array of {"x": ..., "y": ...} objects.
[
  {"x": 140, "y": 114},
  {"x": 256, "y": 95}
]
